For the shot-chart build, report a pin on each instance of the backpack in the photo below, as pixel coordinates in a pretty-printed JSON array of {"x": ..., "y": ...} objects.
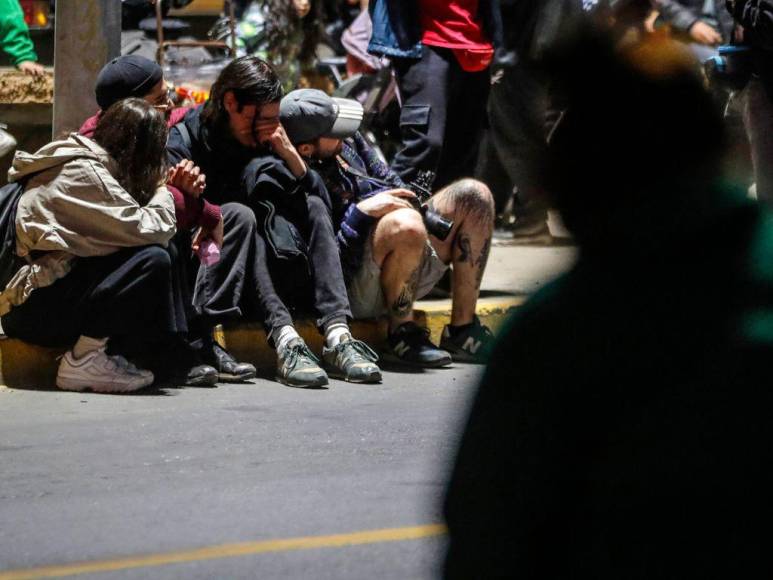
[{"x": 9, "y": 261}]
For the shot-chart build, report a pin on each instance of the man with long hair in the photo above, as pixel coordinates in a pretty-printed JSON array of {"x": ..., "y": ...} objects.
[{"x": 250, "y": 164}]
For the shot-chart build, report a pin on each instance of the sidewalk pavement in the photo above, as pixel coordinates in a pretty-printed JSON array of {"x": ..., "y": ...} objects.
[{"x": 513, "y": 273}]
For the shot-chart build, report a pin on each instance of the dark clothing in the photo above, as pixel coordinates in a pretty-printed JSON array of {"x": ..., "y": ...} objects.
[
  {"x": 397, "y": 29},
  {"x": 127, "y": 293},
  {"x": 221, "y": 158},
  {"x": 623, "y": 428},
  {"x": 240, "y": 284},
  {"x": 442, "y": 116},
  {"x": 756, "y": 17},
  {"x": 306, "y": 205},
  {"x": 357, "y": 175},
  {"x": 758, "y": 121},
  {"x": 263, "y": 182}
]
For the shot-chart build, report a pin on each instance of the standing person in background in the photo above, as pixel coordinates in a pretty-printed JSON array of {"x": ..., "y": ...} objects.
[
  {"x": 284, "y": 33},
  {"x": 516, "y": 134},
  {"x": 441, "y": 51},
  {"x": 756, "y": 19}
]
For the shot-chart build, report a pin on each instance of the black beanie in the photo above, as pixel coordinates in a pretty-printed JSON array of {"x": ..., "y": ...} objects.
[{"x": 124, "y": 77}]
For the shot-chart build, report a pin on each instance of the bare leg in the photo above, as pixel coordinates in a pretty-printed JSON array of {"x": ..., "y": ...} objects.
[
  {"x": 399, "y": 240},
  {"x": 470, "y": 204}
]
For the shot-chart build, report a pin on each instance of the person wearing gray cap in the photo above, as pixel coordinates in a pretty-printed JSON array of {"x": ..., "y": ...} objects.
[{"x": 389, "y": 257}]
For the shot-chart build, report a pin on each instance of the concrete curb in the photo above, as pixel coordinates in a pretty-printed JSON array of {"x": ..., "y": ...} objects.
[{"x": 26, "y": 366}]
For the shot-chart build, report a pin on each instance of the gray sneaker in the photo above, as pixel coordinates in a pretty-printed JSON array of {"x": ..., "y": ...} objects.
[
  {"x": 298, "y": 367},
  {"x": 352, "y": 360}
]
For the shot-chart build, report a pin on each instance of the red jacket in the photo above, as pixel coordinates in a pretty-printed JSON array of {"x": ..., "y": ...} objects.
[{"x": 190, "y": 212}]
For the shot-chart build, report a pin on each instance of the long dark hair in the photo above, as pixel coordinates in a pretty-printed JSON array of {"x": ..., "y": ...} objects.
[
  {"x": 134, "y": 133},
  {"x": 283, "y": 18},
  {"x": 253, "y": 82}
]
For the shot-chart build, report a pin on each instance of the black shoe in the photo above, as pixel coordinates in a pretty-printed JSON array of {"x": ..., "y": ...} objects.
[
  {"x": 229, "y": 369},
  {"x": 410, "y": 344},
  {"x": 179, "y": 364},
  {"x": 473, "y": 344}
]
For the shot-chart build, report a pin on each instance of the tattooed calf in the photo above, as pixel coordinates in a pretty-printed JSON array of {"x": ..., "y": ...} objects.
[{"x": 403, "y": 305}]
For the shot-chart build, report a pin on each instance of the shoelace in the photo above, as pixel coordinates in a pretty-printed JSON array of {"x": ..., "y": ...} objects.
[
  {"x": 295, "y": 353},
  {"x": 361, "y": 350}
]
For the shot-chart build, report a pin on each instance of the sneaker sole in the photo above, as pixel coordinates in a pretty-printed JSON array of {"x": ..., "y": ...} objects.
[
  {"x": 320, "y": 383},
  {"x": 372, "y": 378},
  {"x": 77, "y": 386},
  {"x": 393, "y": 358},
  {"x": 231, "y": 378},
  {"x": 205, "y": 381}
]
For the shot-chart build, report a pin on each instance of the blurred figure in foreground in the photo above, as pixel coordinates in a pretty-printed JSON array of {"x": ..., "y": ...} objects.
[{"x": 623, "y": 427}]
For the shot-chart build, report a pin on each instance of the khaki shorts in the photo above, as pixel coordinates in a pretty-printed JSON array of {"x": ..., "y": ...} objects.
[{"x": 365, "y": 295}]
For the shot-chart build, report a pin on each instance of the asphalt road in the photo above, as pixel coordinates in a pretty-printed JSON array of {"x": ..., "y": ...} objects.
[{"x": 88, "y": 477}]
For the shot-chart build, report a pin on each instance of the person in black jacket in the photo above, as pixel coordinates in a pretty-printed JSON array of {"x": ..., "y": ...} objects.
[
  {"x": 622, "y": 429},
  {"x": 756, "y": 19},
  {"x": 281, "y": 213}
]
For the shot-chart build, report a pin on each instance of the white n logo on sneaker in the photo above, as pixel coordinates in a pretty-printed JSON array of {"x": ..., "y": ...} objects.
[
  {"x": 401, "y": 348},
  {"x": 472, "y": 345}
]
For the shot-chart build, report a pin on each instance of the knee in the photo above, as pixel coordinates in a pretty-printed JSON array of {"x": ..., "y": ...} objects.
[
  {"x": 238, "y": 216},
  {"x": 474, "y": 198},
  {"x": 155, "y": 259},
  {"x": 404, "y": 230},
  {"x": 317, "y": 206}
]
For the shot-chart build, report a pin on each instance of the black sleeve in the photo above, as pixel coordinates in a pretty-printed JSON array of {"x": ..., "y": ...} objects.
[
  {"x": 756, "y": 16},
  {"x": 176, "y": 147},
  {"x": 269, "y": 177}
]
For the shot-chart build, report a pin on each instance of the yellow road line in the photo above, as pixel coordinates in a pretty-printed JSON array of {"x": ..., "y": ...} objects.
[{"x": 229, "y": 551}]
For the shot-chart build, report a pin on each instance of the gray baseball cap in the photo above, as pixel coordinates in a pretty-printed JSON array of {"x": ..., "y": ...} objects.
[{"x": 307, "y": 114}]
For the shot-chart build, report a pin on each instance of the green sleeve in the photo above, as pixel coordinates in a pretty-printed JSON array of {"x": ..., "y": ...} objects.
[{"x": 14, "y": 35}]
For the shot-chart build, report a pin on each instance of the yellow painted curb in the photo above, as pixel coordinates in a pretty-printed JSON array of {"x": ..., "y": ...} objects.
[{"x": 27, "y": 366}]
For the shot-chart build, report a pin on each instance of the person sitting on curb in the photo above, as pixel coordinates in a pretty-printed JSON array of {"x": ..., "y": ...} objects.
[
  {"x": 197, "y": 219},
  {"x": 390, "y": 258},
  {"x": 236, "y": 139},
  {"x": 92, "y": 223}
]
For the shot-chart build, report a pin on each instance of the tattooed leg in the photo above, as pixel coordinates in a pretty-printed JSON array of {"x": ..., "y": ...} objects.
[
  {"x": 399, "y": 242},
  {"x": 470, "y": 205}
]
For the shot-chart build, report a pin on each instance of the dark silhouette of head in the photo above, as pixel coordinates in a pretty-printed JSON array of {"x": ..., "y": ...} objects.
[{"x": 639, "y": 125}]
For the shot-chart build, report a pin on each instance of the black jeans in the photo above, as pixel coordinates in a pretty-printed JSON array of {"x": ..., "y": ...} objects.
[
  {"x": 442, "y": 118},
  {"x": 128, "y": 293},
  {"x": 514, "y": 143},
  {"x": 758, "y": 119},
  {"x": 248, "y": 283}
]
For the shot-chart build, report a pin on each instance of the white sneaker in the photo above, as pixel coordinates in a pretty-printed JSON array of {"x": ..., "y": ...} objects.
[
  {"x": 7, "y": 142},
  {"x": 101, "y": 373}
]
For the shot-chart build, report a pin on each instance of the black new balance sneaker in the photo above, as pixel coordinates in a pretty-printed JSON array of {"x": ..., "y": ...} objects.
[
  {"x": 469, "y": 343},
  {"x": 409, "y": 344}
]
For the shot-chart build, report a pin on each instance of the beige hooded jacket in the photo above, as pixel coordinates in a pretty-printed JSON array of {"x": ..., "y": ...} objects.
[{"x": 72, "y": 206}]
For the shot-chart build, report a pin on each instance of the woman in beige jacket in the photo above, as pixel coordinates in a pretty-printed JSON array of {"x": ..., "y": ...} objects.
[{"x": 92, "y": 226}]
